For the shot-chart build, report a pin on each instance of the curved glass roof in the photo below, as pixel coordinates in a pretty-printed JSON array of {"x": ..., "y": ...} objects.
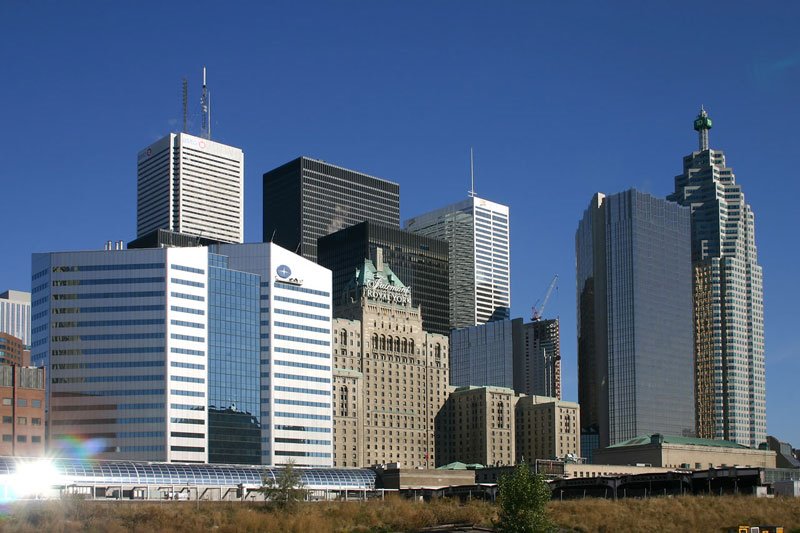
[{"x": 81, "y": 471}]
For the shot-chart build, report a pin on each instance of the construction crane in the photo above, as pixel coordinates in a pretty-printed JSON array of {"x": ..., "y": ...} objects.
[{"x": 538, "y": 310}]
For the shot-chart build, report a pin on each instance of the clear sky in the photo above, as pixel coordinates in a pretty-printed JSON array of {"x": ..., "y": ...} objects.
[{"x": 559, "y": 99}]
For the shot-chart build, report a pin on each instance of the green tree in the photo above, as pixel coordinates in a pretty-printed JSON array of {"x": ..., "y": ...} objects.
[
  {"x": 523, "y": 502},
  {"x": 286, "y": 488}
]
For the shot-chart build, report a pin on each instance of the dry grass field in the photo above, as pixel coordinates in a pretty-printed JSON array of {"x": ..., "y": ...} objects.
[{"x": 688, "y": 514}]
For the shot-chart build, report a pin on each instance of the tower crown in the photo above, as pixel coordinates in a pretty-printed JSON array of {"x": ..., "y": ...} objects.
[
  {"x": 702, "y": 121},
  {"x": 701, "y": 125}
]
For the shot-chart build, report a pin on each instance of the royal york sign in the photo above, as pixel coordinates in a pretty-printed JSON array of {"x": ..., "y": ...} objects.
[{"x": 381, "y": 291}]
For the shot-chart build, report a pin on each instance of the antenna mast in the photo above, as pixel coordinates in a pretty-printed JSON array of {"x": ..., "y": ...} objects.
[
  {"x": 185, "y": 104},
  {"x": 205, "y": 128},
  {"x": 471, "y": 174}
]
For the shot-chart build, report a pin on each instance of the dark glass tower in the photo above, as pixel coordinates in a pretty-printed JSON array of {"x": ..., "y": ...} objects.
[
  {"x": 634, "y": 296},
  {"x": 234, "y": 358},
  {"x": 306, "y": 199},
  {"x": 422, "y": 262}
]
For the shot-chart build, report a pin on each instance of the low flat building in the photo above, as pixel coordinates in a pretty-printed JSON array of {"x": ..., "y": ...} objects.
[{"x": 683, "y": 452}]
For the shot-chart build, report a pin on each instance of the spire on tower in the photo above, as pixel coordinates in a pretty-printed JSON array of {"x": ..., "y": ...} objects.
[{"x": 702, "y": 123}]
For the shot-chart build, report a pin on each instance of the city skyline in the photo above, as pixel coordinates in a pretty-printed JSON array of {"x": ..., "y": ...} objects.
[{"x": 544, "y": 138}]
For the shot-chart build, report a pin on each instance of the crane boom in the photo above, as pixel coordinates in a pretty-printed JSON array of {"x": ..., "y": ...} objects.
[{"x": 538, "y": 312}]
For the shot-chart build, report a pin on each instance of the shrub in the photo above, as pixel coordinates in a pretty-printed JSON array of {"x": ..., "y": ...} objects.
[{"x": 523, "y": 502}]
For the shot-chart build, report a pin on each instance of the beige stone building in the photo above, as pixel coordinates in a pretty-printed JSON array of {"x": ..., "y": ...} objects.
[
  {"x": 683, "y": 452},
  {"x": 547, "y": 428},
  {"x": 390, "y": 377},
  {"x": 476, "y": 425},
  {"x": 494, "y": 426}
]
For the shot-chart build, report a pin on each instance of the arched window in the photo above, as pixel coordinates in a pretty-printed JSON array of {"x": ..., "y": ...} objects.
[
  {"x": 389, "y": 344},
  {"x": 383, "y": 342},
  {"x": 438, "y": 350},
  {"x": 344, "y": 337},
  {"x": 397, "y": 344},
  {"x": 374, "y": 341},
  {"x": 411, "y": 346},
  {"x": 405, "y": 345}
]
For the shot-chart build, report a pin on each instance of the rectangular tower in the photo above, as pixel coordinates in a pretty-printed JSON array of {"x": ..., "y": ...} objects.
[
  {"x": 422, "y": 262},
  {"x": 306, "y": 199},
  {"x": 170, "y": 354},
  {"x": 635, "y": 349},
  {"x": 477, "y": 231},
  {"x": 15, "y": 314},
  {"x": 728, "y": 298},
  {"x": 191, "y": 185}
]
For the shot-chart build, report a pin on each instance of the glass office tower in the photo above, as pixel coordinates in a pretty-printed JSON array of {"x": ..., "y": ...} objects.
[
  {"x": 422, "y": 262},
  {"x": 728, "y": 298},
  {"x": 170, "y": 354},
  {"x": 635, "y": 348},
  {"x": 477, "y": 231},
  {"x": 306, "y": 199}
]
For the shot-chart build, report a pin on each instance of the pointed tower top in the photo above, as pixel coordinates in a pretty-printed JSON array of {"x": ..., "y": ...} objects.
[{"x": 702, "y": 123}]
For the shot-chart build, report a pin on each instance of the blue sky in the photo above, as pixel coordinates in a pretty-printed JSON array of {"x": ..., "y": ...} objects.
[{"x": 559, "y": 99}]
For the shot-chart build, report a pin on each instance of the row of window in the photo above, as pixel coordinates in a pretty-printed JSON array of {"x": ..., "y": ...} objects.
[
  {"x": 297, "y": 288},
  {"x": 22, "y": 402},
  {"x": 107, "y": 295},
  {"x": 35, "y": 439},
  {"x": 22, "y": 420}
]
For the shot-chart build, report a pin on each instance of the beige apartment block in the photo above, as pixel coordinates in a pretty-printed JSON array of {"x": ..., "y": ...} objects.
[
  {"x": 476, "y": 425},
  {"x": 547, "y": 428},
  {"x": 390, "y": 376}
]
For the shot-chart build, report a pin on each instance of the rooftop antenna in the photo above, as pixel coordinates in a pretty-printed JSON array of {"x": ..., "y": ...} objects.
[
  {"x": 185, "y": 105},
  {"x": 205, "y": 128},
  {"x": 471, "y": 174}
]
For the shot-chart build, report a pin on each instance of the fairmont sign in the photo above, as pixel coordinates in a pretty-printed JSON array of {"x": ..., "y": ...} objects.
[{"x": 379, "y": 290}]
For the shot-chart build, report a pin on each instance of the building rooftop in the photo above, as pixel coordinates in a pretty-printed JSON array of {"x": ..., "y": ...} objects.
[{"x": 657, "y": 438}]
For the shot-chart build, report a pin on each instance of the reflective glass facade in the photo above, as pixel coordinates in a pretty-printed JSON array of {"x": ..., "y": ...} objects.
[
  {"x": 306, "y": 199},
  {"x": 635, "y": 317},
  {"x": 234, "y": 396},
  {"x": 422, "y": 262},
  {"x": 15, "y": 315}
]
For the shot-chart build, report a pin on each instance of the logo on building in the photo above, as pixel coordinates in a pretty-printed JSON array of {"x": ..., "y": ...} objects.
[
  {"x": 381, "y": 291},
  {"x": 283, "y": 271}
]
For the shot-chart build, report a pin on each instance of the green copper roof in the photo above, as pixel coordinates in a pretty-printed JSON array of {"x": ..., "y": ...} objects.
[
  {"x": 643, "y": 440},
  {"x": 369, "y": 273}
]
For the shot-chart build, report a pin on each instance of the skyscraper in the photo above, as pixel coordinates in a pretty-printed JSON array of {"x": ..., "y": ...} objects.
[
  {"x": 306, "y": 199},
  {"x": 728, "y": 297},
  {"x": 209, "y": 354},
  {"x": 420, "y": 261},
  {"x": 191, "y": 185},
  {"x": 477, "y": 231},
  {"x": 635, "y": 350},
  {"x": 15, "y": 314}
]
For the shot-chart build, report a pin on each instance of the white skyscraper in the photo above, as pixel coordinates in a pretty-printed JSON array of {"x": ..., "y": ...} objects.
[
  {"x": 217, "y": 354},
  {"x": 191, "y": 185},
  {"x": 480, "y": 282},
  {"x": 15, "y": 315}
]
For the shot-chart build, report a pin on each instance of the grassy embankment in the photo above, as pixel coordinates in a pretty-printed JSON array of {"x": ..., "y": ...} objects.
[{"x": 656, "y": 514}]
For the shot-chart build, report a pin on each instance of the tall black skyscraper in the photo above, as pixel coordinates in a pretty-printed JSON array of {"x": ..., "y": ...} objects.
[
  {"x": 420, "y": 261},
  {"x": 306, "y": 199}
]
